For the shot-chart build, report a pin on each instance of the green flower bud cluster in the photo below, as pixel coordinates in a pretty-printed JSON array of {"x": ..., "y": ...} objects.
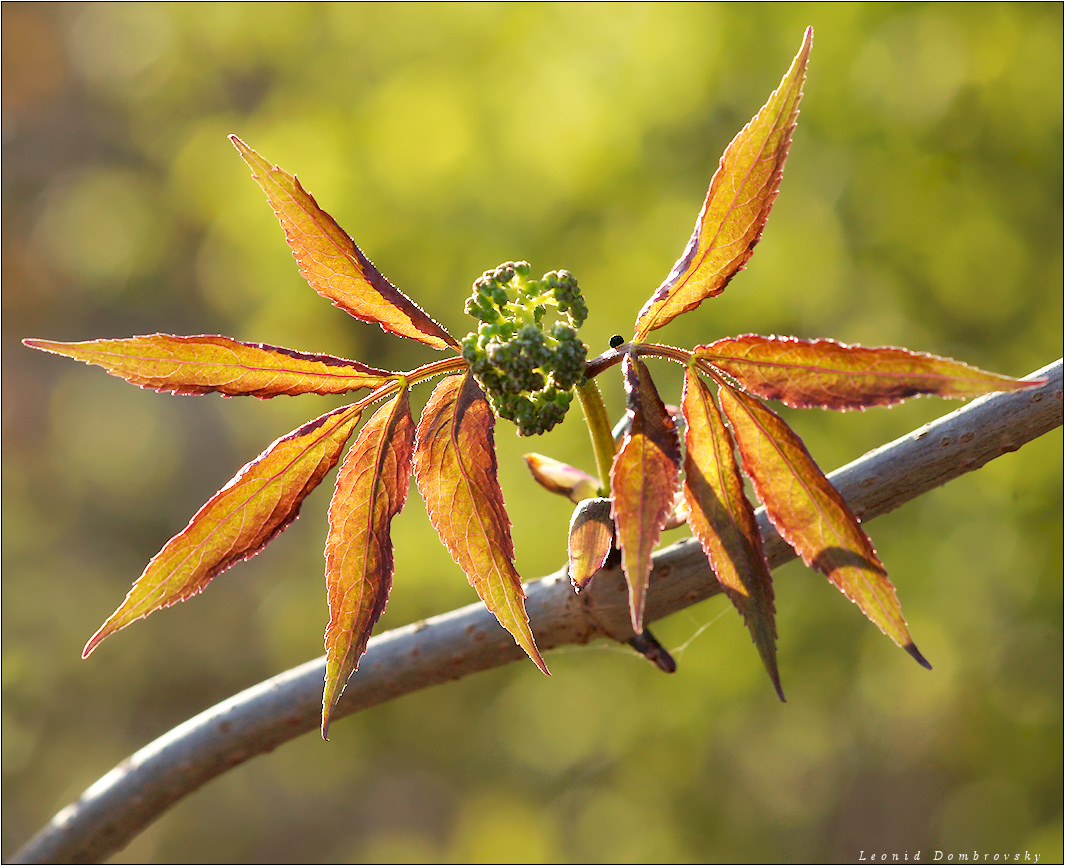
[{"x": 526, "y": 367}]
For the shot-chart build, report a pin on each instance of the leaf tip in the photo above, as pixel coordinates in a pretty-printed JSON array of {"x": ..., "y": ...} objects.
[
  {"x": 647, "y": 645},
  {"x": 636, "y": 612},
  {"x": 911, "y": 648},
  {"x": 330, "y": 698},
  {"x": 769, "y": 659},
  {"x": 56, "y": 347},
  {"x": 248, "y": 154},
  {"x": 538, "y": 660},
  {"x": 524, "y": 638},
  {"x": 95, "y": 641}
]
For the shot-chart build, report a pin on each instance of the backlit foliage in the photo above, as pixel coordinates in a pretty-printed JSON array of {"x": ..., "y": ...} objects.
[{"x": 650, "y": 478}]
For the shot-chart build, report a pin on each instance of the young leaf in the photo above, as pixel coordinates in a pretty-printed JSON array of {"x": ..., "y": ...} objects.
[
  {"x": 643, "y": 480},
  {"x": 371, "y": 489},
  {"x": 455, "y": 469},
  {"x": 831, "y": 375},
  {"x": 558, "y": 477},
  {"x": 722, "y": 519},
  {"x": 331, "y": 262},
  {"x": 737, "y": 205},
  {"x": 237, "y": 522},
  {"x": 810, "y": 514},
  {"x": 591, "y": 538},
  {"x": 206, "y": 363}
]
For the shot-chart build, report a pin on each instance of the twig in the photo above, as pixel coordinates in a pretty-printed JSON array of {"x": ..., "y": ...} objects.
[{"x": 113, "y": 810}]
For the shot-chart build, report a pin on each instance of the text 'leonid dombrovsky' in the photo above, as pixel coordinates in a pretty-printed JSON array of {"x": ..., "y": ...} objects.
[{"x": 948, "y": 857}]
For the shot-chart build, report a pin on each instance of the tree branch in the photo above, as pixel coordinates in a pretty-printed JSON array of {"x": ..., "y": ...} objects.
[{"x": 113, "y": 810}]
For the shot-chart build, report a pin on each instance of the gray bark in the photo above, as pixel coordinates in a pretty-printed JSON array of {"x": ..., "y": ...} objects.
[{"x": 453, "y": 645}]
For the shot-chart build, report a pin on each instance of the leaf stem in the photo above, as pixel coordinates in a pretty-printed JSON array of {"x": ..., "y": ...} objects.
[
  {"x": 610, "y": 358},
  {"x": 599, "y": 429},
  {"x": 681, "y": 356},
  {"x": 437, "y": 368},
  {"x": 671, "y": 353},
  {"x": 405, "y": 380}
]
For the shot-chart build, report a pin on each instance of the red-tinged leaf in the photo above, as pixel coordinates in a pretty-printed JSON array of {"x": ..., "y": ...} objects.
[
  {"x": 237, "y": 522},
  {"x": 643, "y": 480},
  {"x": 331, "y": 262},
  {"x": 736, "y": 207},
  {"x": 455, "y": 468},
  {"x": 722, "y": 519},
  {"x": 591, "y": 538},
  {"x": 371, "y": 489},
  {"x": 831, "y": 375},
  {"x": 558, "y": 477},
  {"x": 810, "y": 514},
  {"x": 206, "y": 363}
]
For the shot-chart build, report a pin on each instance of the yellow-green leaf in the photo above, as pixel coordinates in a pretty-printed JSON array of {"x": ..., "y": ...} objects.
[
  {"x": 736, "y": 207},
  {"x": 591, "y": 538},
  {"x": 831, "y": 375},
  {"x": 722, "y": 518},
  {"x": 205, "y": 363},
  {"x": 371, "y": 489},
  {"x": 331, "y": 262},
  {"x": 455, "y": 468},
  {"x": 237, "y": 522},
  {"x": 810, "y": 514},
  {"x": 643, "y": 481}
]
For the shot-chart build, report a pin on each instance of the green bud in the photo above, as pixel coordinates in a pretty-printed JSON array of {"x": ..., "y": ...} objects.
[{"x": 526, "y": 363}]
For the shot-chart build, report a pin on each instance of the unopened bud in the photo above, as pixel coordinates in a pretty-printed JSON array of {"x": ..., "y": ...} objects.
[
  {"x": 561, "y": 478},
  {"x": 591, "y": 538}
]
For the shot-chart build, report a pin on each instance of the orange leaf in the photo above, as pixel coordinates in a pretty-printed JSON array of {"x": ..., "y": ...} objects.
[
  {"x": 237, "y": 522},
  {"x": 591, "y": 538},
  {"x": 561, "y": 478},
  {"x": 737, "y": 205},
  {"x": 643, "y": 480},
  {"x": 455, "y": 468},
  {"x": 329, "y": 260},
  {"x": 371, "y": 489},
  {"x": 810, "y": 514},
  {"x": 206, "y": 363},
  {"x": 831, "y": 375},
  {"x": 722, "y": 519}
]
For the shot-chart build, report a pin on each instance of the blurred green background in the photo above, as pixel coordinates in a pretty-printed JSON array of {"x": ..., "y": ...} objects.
[{"x": 922, "y": 206}]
